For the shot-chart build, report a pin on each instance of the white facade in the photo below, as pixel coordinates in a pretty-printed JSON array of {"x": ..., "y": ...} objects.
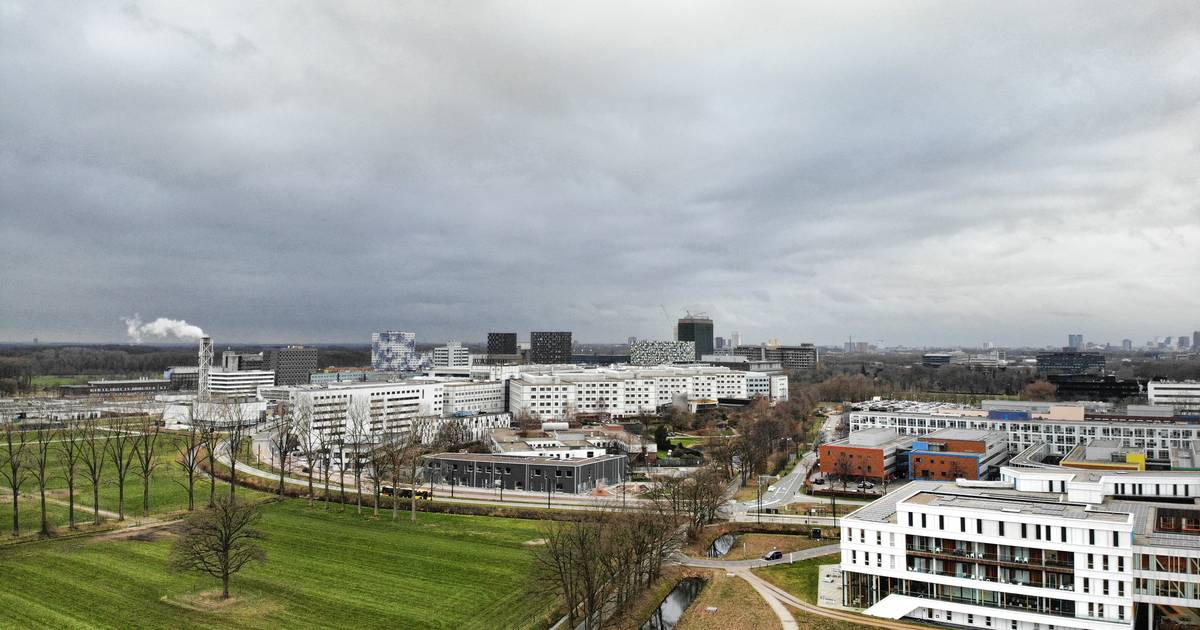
[
  {"x": 238, "y": 383},
  {"x": 479, "y": 397},
  {"x": 620, "y": 392},
  {"x": 452, "y": 354},
  {"x": 990, "y": 558},
  {"x": 1183, "y": 396},
  {"x": 773, "y": 387},
  {"x": 1158, "y": 437}
]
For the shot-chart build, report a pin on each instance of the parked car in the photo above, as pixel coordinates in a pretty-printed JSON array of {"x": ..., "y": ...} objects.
[
  {"x": 774, "y": 555},
  {"x": 865, "y": 485},
  {"x": 819, "y": 481}
]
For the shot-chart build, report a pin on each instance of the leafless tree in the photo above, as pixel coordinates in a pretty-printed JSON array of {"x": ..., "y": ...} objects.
[
  {"x": 283, "y": 440},
  {"x": 236, "y": 421},
  {"x": 70, "y": 456},
  {"x": 308, "y": 440},
  {"x": 377, "y": 471},
  {"x": 219, "y": 541},
  {"x": 190, "y": 448},
  {"x": 14, "y": 467},
  {"x": 359, "y": 417},
  {"x": 122, "y": 448},
  {"x": 325, "y": 443},
  {"x": 452, "y": 434},
  {"x": 413, "y": 452},
  {"x": 93, "y": 450},
  {"x": 842, "y": 469},
  {"x": 526, "y": 423},
  {"x": 210, "y": 437},
  {"x": 40, "y": 461},
  {"x": 146, "y": 451},
  {"x": 393, "y": 449},
  {"x": 694, "y": 499}
]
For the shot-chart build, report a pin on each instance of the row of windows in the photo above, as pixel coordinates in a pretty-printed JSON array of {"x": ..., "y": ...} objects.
[{"x": 1039, "y": 531}]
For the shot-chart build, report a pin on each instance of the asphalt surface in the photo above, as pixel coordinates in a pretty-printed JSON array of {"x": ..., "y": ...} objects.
[{"x": 717, "y": 563}]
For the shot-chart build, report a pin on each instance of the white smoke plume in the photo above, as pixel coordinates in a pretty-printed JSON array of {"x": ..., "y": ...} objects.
[{"x": 161, "y": 328}]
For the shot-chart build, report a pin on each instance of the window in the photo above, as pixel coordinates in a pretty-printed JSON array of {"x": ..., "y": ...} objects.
[
  {"x": 910, "y": 519},
  {"x": 978, "y": 526},
  {"x": 1091, "y": 561},
  {"x": 1024, "y": 530},
  {"x": 1092, "y": 537},
  {"x": 962, "y": 524},
  {"x": 1116, "y": 539},
  {"x": 1062, "y": 531},
  {"x": 923, "y": 525},
  {"x": 1120, "y": 564},
  {"x": 1001, "y": 528},
  {"x": 941, "y": 522}
]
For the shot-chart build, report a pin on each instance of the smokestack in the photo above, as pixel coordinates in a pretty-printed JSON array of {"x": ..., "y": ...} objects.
[{"x": 205, "y": 364}]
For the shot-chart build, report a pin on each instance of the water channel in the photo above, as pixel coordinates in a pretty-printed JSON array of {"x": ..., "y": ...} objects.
[{"x": 677, "y": 601}]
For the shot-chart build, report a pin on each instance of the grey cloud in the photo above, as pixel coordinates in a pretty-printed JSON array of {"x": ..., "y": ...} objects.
[{"x": 925, "y": 173}]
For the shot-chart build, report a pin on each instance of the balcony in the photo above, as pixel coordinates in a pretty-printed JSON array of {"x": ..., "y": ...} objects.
[
  {"x": 992, "y": 579},
  {"x": 1012, "y": 561}
]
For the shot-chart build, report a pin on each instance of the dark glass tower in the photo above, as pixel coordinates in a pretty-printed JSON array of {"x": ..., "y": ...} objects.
[{"x": 698, "y": 329}]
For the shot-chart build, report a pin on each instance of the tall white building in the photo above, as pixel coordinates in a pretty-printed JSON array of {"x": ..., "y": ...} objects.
[
  {"x": 395, "y": 351},
  {"x": 238, "y": 383},
  {"x": 1046, "y": 547},
  {"x": 453, "y": 354},
  {"x": 474, "y": 397}
]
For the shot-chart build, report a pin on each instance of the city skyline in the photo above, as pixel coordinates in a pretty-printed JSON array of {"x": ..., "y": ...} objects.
[{"x": 920, "y": 174}]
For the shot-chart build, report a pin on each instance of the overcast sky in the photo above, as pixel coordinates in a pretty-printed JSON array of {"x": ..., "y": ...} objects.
[{"x": 942, "y": 173}]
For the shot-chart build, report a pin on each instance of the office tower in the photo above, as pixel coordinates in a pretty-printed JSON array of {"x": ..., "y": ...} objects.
[
  {"x": 453, "y": 354},
  {"x": 1127, "y": 344},
  {"x": 241, "y": 361},
  {"x": 550, "y": 347},
  {"x": 394, "y": 351},
  {"x": 502, "y": 343},
  {"x": 697, "y": 328},
  {"x": 292, "y": 365},
  {"x": 1075, "y": 342},
  {"x": 719, "y": 343}
]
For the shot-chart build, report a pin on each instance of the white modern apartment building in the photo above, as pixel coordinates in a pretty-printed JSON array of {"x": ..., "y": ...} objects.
[
  {"x": 476, "y": 397},
  {"x": 238, "y": 383},
  {"x": 453, "y": 354},
  {"x": 773, "y": 387},
  {"x": 340, "y": 411},
  {"x": 620, "y": 392},
  {"x": 1060, "y": 427},
  {"x": 1045, "y": 547},
  {"x": 649, "y": 352},
  {"x": 1183, "y": 396}
]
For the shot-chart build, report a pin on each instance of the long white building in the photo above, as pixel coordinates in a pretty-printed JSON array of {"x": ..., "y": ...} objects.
[
  {"x": 476, "y": 397},
  {"x": 621, "y": 392},
  {"x": 238, "y": 383},
  {"x": 1045, "y": 547},
  {"x": 1183, "y": 396},
  {"x": 1060, "y": 427}
]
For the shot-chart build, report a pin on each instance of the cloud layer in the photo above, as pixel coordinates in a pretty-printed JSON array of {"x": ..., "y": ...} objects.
[{"x": 920, "y": 173}]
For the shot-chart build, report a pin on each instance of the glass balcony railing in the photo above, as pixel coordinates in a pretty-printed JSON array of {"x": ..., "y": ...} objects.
[{"x": 994, "y": 579}]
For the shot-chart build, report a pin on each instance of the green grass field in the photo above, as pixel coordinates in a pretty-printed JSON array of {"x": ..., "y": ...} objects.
[
  {"x": 167, "y": 494},
  {"x": 800, "y": 579},
  {"x": 324, "y": 569}
]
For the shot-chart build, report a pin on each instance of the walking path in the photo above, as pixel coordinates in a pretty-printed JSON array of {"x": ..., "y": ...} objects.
[
  {"x": 781, "y": 611},
  {"x": 714, "y": 563}
]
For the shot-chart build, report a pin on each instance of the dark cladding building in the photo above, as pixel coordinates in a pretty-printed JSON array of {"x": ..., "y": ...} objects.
[
  {"x": 1070, "y": 363},
  {"x": 801, "y": 357},
  {"x": 534, "y": 474},
  {"x": 1110, "y": 388},
  {"x": 292, "y": 365},
  {"x": 549, "y": 347},
  {"x": 502, "y": 344},
  {"x": 699, "y": 329}
]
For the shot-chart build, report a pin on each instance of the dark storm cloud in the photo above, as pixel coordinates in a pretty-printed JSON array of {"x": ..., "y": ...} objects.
[{"x": 917, "y": 173}]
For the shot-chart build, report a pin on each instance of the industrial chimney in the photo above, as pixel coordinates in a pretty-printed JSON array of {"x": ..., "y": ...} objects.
[{"x": 205, "y": 364}]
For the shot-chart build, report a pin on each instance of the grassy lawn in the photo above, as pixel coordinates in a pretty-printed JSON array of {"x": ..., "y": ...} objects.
[
  {"x": 687, "y": 441},
  {"x": 167, "y": 492},
  {"x": 738, "y": 606},
  {"x": 751, "y": 546},
  {"x": 324, "y": 569},
  {"x": 799, "y": 579}
]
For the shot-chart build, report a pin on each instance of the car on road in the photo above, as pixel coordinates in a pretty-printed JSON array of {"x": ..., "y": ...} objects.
[
  {"x": 773, "y": 555},
  {"x": 819, "y": 481},
  {"x": 865, "y": 485}
]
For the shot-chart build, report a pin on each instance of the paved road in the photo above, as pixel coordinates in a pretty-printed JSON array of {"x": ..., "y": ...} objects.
[
  {"x": 715, "y": 563},
  {"x": 788, "y": 489}
]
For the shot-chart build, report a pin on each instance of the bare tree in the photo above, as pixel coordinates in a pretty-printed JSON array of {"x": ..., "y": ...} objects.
[
  {"x": 308, "y": 440},
  {"x": 377, "y": 471},
  {"x": 122, "y": 447},
  {"x": 15, "y": 467},
  {"x": 359, "y": 417},
  {"x": 93, "y": 449},
  {"x": 283, "y": 440},
  {"x": 43, "y": 437},
  {"x": 393, "y": 447},
  {"x": 413, "y": 450},
  {"x": 70, "y": 456},
  {"x": 219, "y": 541},
  {"x": 190, "y": 448},
  {"x": 210, "y": 437},
  {"x": 237, "y": 427},
  {"x": 451, "y": 435},
  {"x": 842, "y": 469},
  {"x": 146, "y": 451},
  {"x": 325, "y": 444}
]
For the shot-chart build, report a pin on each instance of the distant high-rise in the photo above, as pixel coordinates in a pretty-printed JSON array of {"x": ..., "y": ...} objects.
[
  {"x": 699, "y": 329},
  {"x": 502, "y": 344},
  {"x": 453, "y": 354},
  {"x": 1184, "y": 342},
  {"x": 719, "y": 343},
  {"x": 737, "y": 339},
  {"x": 550, "y": 347},
  {"x": 395, "y": 351},
  {"x": 292, "y": 365},
  {"x": 1127, "y": 344},
  {"x": 1075, "y": 342},
  {"x": 1196, "y": 339}
]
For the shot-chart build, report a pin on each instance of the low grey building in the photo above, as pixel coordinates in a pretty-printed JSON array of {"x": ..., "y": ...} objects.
[{"x": 482, "y": 470}]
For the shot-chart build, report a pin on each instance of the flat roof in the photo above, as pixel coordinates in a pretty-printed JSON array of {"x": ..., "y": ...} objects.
[
  {"x": 517, "y": 459},
  {"x": 990, "y": 499},
  {"x": 966, "y": 434}
]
